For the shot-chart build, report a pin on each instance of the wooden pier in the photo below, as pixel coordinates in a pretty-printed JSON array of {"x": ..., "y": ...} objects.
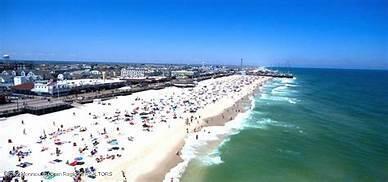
[
  {"x": 37, "y": 107},
  {"x": 47, "y": 108}
]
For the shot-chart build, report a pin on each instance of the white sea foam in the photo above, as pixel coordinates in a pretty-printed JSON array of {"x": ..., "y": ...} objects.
[
  {"x": 279, "y": 98},
  {"x": 262, "y": 123},
  {"x": 290, "y": 85},
  {"x": 277, "y": 95},
  {"x": 192, "y": 146},
  {"x": 289, "y": 152},
  {"x": 291, "y": 101},
  {"x": 279, "y": 90},
  {"x": 286, "y": 80},
  {"x": 191, "y": 149},
  {"x": 213, "y": 158}
]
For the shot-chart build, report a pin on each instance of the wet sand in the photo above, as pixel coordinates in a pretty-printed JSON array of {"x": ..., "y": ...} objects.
[{"x": 172, "y": 159}]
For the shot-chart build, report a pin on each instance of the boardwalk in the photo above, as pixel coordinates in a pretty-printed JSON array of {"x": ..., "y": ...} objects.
[
  {"x": 34, "y": 106},
  {"x": 40, "y": 105}
]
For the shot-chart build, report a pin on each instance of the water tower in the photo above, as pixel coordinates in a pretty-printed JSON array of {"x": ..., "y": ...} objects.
[{"x": 6, "y": 58}]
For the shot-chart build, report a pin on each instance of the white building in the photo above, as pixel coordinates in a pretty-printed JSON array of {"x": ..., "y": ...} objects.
[
  {"x": 95, "y": 72},
  {"x": 18, "y": 80},
  {"x": 132, "y": 73},
  {"x": 182, "y": 73},
  {"x": 60, "y": 77},
  {"x": 64, "y": 86},
  {"x": 51, "y": 88}
]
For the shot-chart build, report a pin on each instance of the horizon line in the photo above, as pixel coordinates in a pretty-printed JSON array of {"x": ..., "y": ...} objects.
[{"x": 170, "y": 63}]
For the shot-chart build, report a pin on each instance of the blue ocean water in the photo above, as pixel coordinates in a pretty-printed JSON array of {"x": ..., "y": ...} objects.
[{"x": 325, "y": 125}]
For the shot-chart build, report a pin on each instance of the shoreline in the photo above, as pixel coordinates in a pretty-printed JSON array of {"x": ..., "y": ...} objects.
[
  {"x": 174, "y": 114},
  {"x": 228, "y": 114}
]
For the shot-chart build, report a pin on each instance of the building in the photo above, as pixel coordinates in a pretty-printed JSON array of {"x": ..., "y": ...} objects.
[
  {"x": 132, "y": 73},
  {"x": 64, "y": 87},
  {"x": 4, "y": 73},
  {"x": 60, "y": 77},
  {"x": 24, "y": 88},
  {"x": 51, "y": 88},
  {"x": 95, "y": 72},
  {"x": 6, "y": 81},
  {"x": 18, "y": 80},
  {"x": 182, "y": 73},
  {"x": 32, "y": 75},
  {"x": 22, "y": 73}
]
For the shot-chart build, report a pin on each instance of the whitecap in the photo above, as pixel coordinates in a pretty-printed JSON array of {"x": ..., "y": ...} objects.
[
  {"x": 214, "y": 158},
  {"x": 261, "y": 123},
  {"x": 291, "y": 101},
  {"x": 287, "y": 80},
  {"x": 191, "y": 148},
  {"x": 279, "y": 98}
]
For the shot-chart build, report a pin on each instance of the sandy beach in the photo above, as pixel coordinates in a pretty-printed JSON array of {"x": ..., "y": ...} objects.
[
  {"x": 130, "y": 138},
  {"x": 172, "y": 159}
]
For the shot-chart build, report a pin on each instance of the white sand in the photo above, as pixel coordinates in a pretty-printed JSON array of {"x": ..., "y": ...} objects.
[{"x": 139, "y": 156}]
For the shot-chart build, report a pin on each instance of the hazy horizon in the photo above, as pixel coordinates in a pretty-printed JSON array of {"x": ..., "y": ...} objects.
[{"x": 349, "y": 34}]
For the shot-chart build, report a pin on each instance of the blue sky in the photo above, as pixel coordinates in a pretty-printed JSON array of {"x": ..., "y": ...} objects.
[{"x": 315, "y": 33}]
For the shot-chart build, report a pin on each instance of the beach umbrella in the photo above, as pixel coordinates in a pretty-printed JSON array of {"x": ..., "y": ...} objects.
[
  {"x": 74, "y": 163},
  {"x": 78, "y": 158}
]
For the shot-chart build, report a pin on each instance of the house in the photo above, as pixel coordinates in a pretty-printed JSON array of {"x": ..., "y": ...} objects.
[
  {"x": 6, "y": 81},
  {"x": 4, "y": 73}
]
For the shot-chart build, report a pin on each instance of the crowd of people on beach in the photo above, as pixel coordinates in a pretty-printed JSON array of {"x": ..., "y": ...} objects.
[{"x": 94, "y": 134}]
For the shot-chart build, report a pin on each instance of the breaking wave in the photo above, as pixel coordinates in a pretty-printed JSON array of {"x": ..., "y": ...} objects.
[{"x": 193, "y": 148}]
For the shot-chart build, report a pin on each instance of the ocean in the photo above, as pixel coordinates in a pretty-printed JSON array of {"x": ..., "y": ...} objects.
[{"x": 325, "y": 125}]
